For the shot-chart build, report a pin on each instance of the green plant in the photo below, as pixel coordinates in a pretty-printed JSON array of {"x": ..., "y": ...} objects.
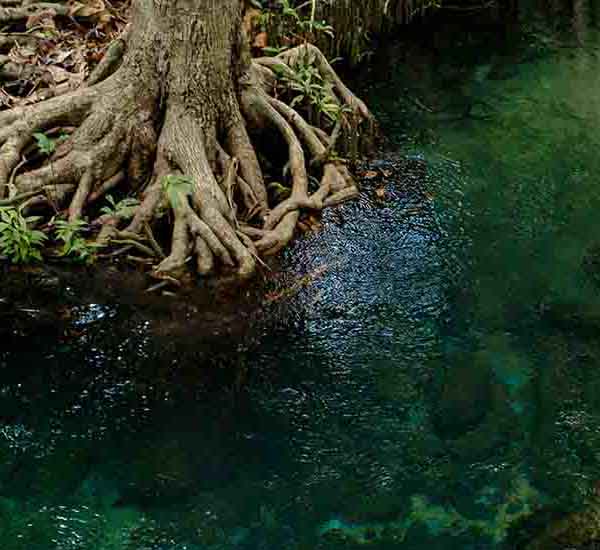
[
  {"x": 279, "y": 190},
  {"x": 176, "y": 185},
  {"x": 45, "y": 145},
  {"x": 274, "y": 50},
  {"x": 306, "y": 82},
  {"x": 288, "y": 26},
  {"x": 18, "y": 241},
  {"x": 123, "y": 209},
  {"x": 74, "y": 244},
  {"x": 425, "y": 5}
]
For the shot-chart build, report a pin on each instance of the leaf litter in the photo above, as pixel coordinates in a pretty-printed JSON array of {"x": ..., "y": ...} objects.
[{"x": 53, "y": 50}]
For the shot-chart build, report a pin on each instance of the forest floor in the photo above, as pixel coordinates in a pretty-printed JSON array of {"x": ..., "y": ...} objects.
[{"x": 56, "y": 49}]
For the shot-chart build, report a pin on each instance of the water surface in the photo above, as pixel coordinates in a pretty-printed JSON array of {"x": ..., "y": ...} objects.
[{"x": 431, "y": 378}]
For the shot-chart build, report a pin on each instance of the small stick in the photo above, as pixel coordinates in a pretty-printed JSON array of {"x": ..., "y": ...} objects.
[
  {"x": 157, "y": 286},
  {"x": 153, "y": 242},
  {"x": 118, "y": 252},
  {"x": 141, "y": 247}
]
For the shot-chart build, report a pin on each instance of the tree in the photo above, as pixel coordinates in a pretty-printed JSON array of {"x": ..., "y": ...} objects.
[{"x": 175, "y": 114}]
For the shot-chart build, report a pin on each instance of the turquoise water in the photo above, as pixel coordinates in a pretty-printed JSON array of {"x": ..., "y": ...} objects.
[{"x": 430, "y": 379}]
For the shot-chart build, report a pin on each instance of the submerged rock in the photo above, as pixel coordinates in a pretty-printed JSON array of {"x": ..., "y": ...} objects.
[
  {"x": 577, "y": 531},
  {"x": 465, "y": 397},
  {"x": 580, "y": 317}
]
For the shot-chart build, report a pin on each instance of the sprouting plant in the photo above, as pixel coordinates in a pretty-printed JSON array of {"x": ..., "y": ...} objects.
[
  {"x": 280, "y": 191},
  {"x": 424, "y": 6},
  {"x": 306, "y": 82},
  {"x": 18, "y": 240},
  {"x": 311, "y": 25},
  {"x": 319, "y": 27},
  {"x": 288, "y": 26},
  {"x": 74, "y": 244},
  {"x": 176, "y": 185},
  {"x": 123, "y": 209},
  {"x": 45, "y": 145}
]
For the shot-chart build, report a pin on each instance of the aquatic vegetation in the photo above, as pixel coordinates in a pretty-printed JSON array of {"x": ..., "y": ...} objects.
[{"x": 519, "y": 503}]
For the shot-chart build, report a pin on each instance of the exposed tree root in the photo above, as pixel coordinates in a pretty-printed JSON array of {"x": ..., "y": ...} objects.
[
  {"x": 17, "y": 10},
  {"x": 129, "y": 140}
]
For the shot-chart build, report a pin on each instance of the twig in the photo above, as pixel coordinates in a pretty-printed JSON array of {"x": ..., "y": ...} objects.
[
  {"x": 142, "y": 247},
  {"x": 153, "y": 242},
  {"x": 21, "y": 197},
  {"x": 118, "y": 252},
  {"x": 138, "y": 260},
  {"x": 11, "y": 181}
]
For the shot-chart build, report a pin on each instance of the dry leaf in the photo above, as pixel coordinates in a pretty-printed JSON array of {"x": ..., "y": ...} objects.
[
  {"x": 92, "y": 9},
  {"x": 56, "y": 75},
  {"x": 261, "y": 40},
  {"x": 44, "y": 19}
]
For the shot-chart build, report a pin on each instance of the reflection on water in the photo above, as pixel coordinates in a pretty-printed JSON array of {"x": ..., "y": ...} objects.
[{"x": 434, "y": 385}]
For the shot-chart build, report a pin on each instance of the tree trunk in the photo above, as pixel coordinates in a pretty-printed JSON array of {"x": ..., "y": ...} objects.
[{"x": 164, "y": 117}]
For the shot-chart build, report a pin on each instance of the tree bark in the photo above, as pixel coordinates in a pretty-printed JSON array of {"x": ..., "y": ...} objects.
[{"x": 171, "y": 103}]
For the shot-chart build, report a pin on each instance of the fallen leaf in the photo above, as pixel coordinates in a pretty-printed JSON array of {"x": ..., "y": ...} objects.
[
  {"x": 43, "y": 19},
  {"x": 56, "y": 75},
  {"x": 261, "y": 40},
  {"x": 92, "y": 9}
]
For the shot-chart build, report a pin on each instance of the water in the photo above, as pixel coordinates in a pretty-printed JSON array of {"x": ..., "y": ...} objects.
[{"x": 424, "y": 375}]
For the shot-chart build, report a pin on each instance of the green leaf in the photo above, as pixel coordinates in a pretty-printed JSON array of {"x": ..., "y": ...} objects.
[
  {"x": 18, "y": 241},
  {"x": 175, "y": 186},
  {"x": 45, "y": 145},
  {"x": 269, "y": 50},
  {"x": 296, "y": 100}
]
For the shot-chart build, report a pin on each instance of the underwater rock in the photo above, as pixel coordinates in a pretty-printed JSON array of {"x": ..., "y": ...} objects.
[
  {"x": 156, "y": 473},
  {"x": 479, "y": 443},
  {"x": 56, "y": 475},
  {"x": 584, "y": 318},
  {"x": 464, "y": 399},
  {"x": 591, "y": 263},
  {"x": 579, "y": 530}
]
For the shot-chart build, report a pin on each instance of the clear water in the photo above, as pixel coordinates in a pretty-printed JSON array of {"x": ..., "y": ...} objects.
[{"x": 431, "y": 378}]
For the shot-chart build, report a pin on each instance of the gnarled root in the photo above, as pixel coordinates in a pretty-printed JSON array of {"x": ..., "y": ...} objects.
[
  {"x": 198, "y": 174},
  {"x": 17, "y": 10}
]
